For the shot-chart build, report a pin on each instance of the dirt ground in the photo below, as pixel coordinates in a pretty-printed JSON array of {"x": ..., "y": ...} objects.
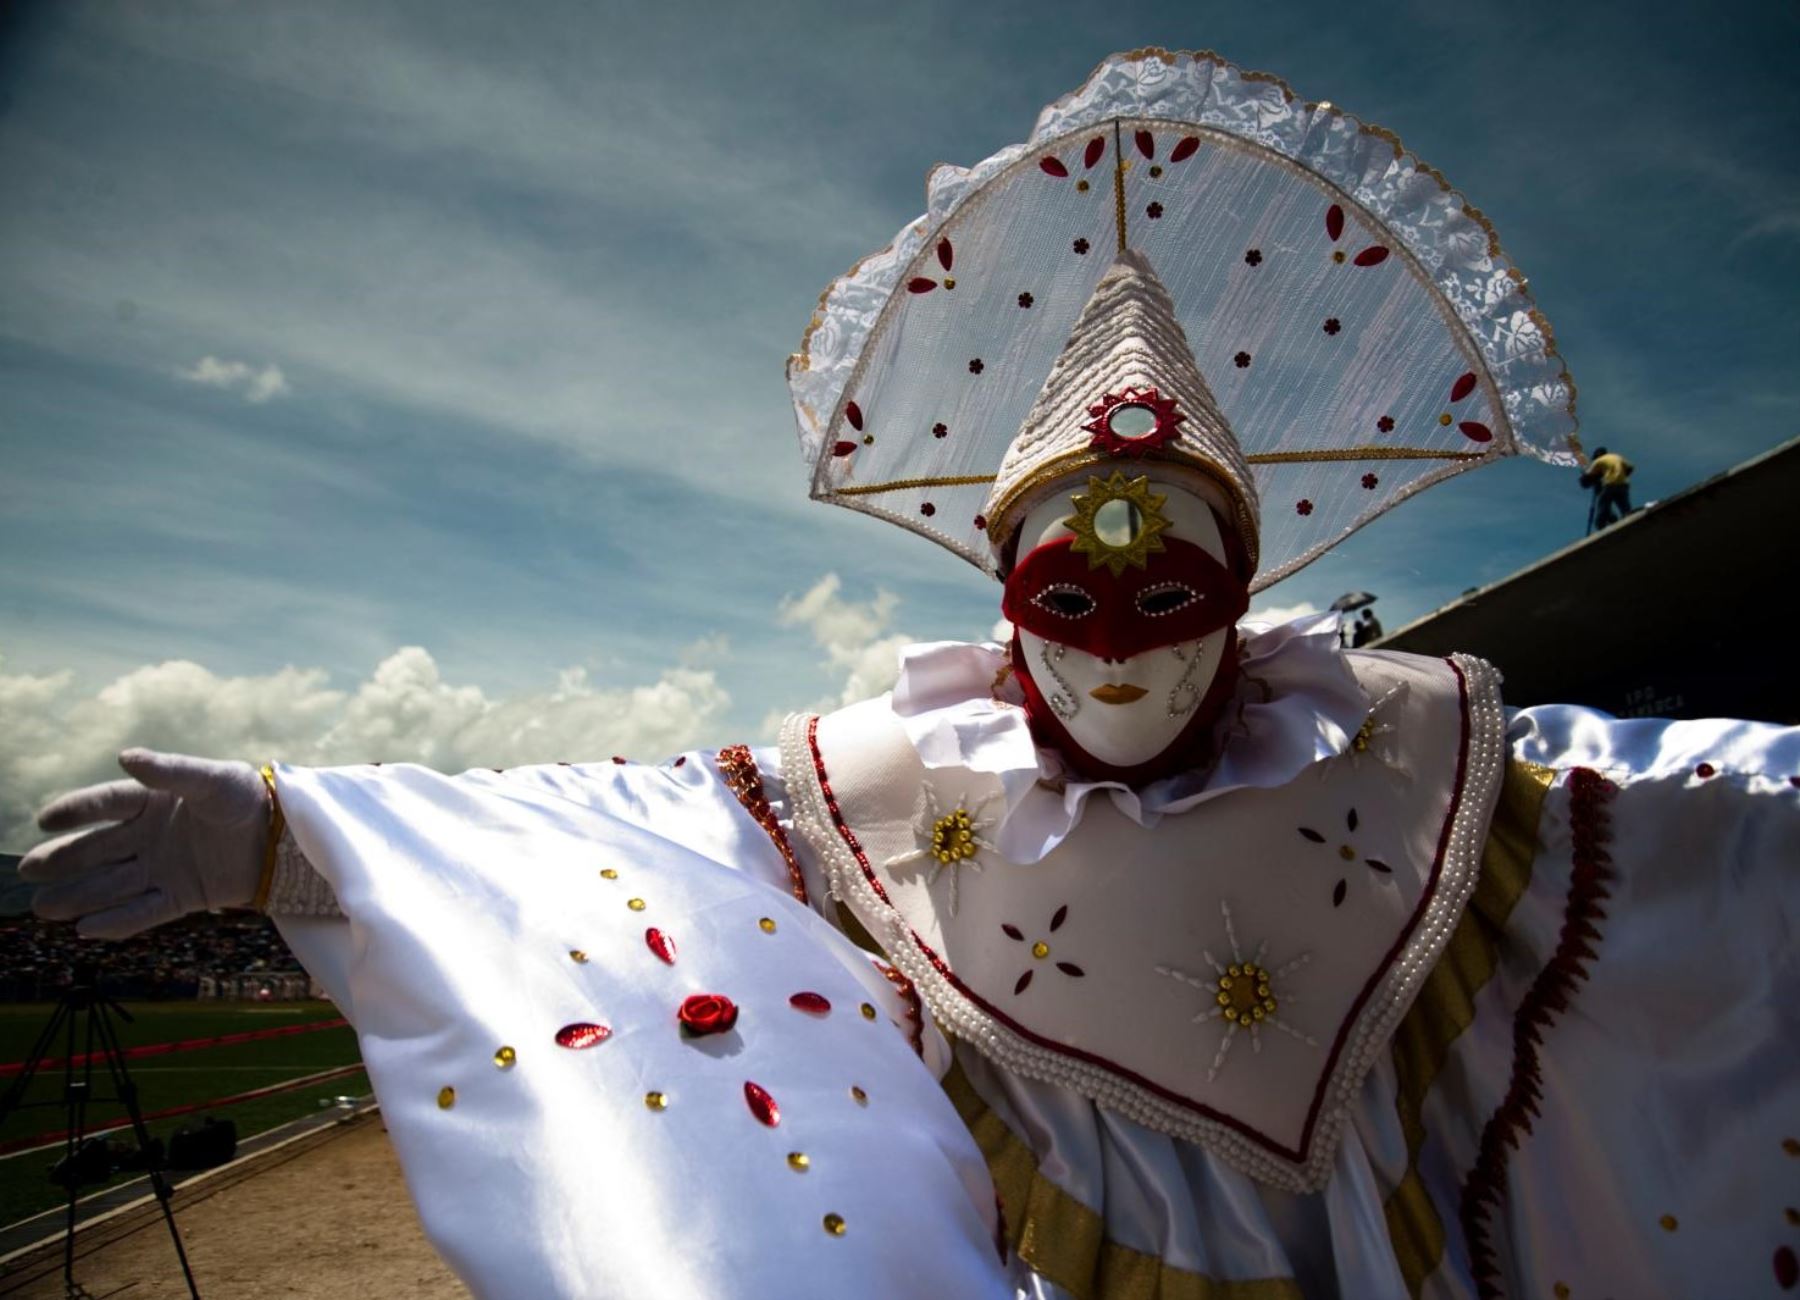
[{"x": 331, "y": 1220}]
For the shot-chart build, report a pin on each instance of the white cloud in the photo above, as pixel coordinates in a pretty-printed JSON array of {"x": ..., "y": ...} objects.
[
  {"x": 256, "y": 386},
  {"x": 853, "y": 634},
  {"x": 52, "y": 739}
]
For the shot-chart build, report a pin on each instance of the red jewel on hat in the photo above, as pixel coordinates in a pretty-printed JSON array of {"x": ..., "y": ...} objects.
[
  {"x": 812, "y": 1003},
  {"x": 761, "y": 1104}
]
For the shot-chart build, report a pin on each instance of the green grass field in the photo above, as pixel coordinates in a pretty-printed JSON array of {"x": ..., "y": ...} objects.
[{"x": 174, "y": 1079}]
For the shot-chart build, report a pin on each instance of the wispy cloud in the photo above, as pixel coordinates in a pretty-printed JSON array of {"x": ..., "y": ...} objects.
[{"x": 253, "y": 385}]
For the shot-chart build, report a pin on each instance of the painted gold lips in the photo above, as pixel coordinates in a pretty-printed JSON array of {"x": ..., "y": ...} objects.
[{"x": 1124, "y": 693}]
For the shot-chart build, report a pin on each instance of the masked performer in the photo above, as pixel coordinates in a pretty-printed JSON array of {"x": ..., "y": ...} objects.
[{"x": 1152, "y": 955}]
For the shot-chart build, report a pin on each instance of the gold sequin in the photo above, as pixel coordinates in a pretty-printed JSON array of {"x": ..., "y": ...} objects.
[
  {"x": 1081, "y": 187},
  {"x": 1347, "y": 853},
  {"x": 656, "y": 1101},
  {"x": 868, "y": 1011},
  {"x": 1669, "y": 1223},
  {"x": 767, "y": 925},
  {"x": 636, "y": 904},
  {"x": 799, "y": 1161},
  {"x": 505, "y": 1058},
  {"x": 1338, "y": 256},
  {"x": 607, "y": 873},
  {"x": 834, "y": 1224},
  {"x": 949, "y": 282},
  {"x": 446, "y": 1098},
  {"x": 861, "y": 1098},
  {"x": 1444, "y": 419},
  {"x": 578, "y": 957}
]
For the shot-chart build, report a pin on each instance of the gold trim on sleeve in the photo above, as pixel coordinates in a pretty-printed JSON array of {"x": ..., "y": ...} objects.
[
  {"x": 1065, "y": 1241},
  {"x": 1446, "y": 1006},
  {"x": 901, "y": 484}
]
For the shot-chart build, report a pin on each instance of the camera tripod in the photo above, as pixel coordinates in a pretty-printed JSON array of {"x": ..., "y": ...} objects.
[{"x": 85, "y": 1014}]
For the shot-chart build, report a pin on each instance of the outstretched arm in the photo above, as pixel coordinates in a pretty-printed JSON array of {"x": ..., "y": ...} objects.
[{"x": 184, "y": 835}]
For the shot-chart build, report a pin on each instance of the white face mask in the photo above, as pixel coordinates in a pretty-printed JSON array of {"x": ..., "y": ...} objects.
[{"x": 1127, "y": 712}]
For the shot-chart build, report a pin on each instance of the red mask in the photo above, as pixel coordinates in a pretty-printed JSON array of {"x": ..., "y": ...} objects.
[{"x": 1183, "y": 595}]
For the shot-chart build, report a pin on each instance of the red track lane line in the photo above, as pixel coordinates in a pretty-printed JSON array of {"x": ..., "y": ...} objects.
[
  {"x": 269, "y": 1090},
  {"x": 184, "y": 1045}
]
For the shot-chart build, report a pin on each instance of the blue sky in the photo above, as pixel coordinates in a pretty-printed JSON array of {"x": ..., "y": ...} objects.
[{"x": 497, "y": 300}]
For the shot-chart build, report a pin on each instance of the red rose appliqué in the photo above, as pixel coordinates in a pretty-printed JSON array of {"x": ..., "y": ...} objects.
[{"x": 707, "y": 1013}]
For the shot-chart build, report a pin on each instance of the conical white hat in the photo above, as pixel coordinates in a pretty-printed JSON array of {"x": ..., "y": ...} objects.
[{"x": 1126, "y": 352}]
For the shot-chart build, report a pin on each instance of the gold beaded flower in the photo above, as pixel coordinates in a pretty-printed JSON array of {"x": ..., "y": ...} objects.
[
  {"x": 1244, "y": 994},
  {"x": 948, "y": 839}
]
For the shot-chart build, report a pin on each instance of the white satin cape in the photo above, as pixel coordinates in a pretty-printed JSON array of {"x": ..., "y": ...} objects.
[{"x": 1654, "y": 1164}]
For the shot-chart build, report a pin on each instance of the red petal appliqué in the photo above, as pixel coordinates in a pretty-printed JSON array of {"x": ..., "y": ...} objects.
[
  {"x": 853, "y": 413},
  {"x": 1023, "y": 984},
  {"x": 1334, "y": 221},
  {"x": 660, "y": 944},
  {"x": 946, "y": 254},
  {"x": 1373, "y": 255},
  {"x": 1189, "y": 146},
  {"x": 1146, "y": 144},
  {"x": 1070, "y": 968},
  {"x": 761, "y": 1104},
  {"x": 1096, "y": 148},
  {"x": 1464, "y": 385},
  {"x": 1013, "y": 932},
  {"x": 1476, "y": 432},
  {"x": 816, "y": 1004},
  {"x": 919, "y": 284},
  {"x": 582, "y": 1034},
  {"x": 1062, "y": 914},
  {"x": 1052, "y": 167},
  {"x": 842, "y": 448}
]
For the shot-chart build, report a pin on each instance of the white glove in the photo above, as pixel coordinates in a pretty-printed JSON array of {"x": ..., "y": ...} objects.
[{"x": 189, "y": 835}]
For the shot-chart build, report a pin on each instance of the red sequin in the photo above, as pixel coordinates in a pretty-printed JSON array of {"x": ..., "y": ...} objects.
[
  {"x": 940, "y": 430},
  {"x": 1242, "y": 360},
  {"x": 1787, "y": 1268},
  {"x": 816, "y": 1004},
  {"x": 1385, "y": 424},
  {"x": 842, "y": 448},
  {"x": 1096, "y": 148},
  {"x": 582, "y": 1034},
  {"x": 761, "y": 1104},
  {"x": 1373, "y": 255},
  {"x": 1189, "y": 146},
  {"x": 660, "y": 944},
  {"x": 1475, "y": 431},
  {"x": 1146, "y": 144},
  {"x": 927, "y": 509},
  {"x": 1303, "y": 507},
  {"x": 1334, "y": 221},
  {"x": 1704, "y": 770},
  {"x": 1023, "y": 984},
  {"x": 919, "y": 284},
  {"x": 853, "y": 413},
  {"x": 1052, "y": 167},
  {"x": 620, "y": 759},
  {"x": 1369, "y": 481},
  {"x": 946, "y": 254},
  {"x": 1464, "y": 385},
  {"x": 981, "y": 525}
]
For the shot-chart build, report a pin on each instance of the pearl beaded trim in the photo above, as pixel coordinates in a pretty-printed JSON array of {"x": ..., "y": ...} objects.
[
  {"x": 296, "y": 888},
  {"x": 1483, "y": 766}
]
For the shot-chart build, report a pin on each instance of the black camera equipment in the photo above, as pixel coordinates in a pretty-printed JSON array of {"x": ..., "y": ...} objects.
[{"x": 84, "y": 1016}]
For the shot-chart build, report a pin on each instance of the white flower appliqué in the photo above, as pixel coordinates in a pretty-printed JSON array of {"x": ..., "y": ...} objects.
[
  {"x": 1244, "y": 994},
  {"x": 948, "y": 839}
]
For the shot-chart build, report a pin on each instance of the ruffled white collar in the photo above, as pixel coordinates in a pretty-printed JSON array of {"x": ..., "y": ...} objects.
[{"x": 1297, "y": 703}]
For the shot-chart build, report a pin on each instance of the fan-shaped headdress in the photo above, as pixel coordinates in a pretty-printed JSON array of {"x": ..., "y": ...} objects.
[{"x": 1345, "y": 312}]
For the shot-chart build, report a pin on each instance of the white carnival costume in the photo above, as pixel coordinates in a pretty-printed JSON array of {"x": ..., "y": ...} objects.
[{"x": 1314, "y": 976}]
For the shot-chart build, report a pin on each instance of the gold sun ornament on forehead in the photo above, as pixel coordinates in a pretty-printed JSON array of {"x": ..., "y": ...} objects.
[{"x": 1118, "y": 521}]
